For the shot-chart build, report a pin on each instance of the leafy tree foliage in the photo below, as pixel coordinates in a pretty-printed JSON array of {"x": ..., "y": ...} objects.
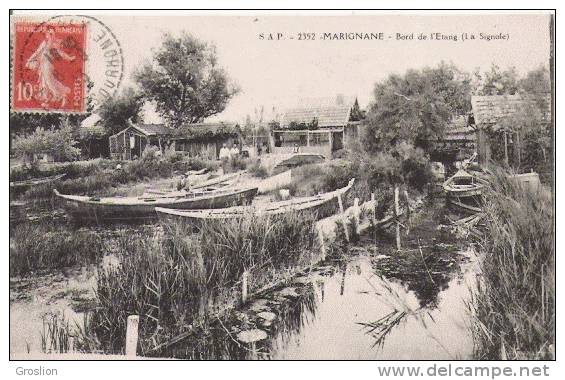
[
  {"x": 496, "y": 81},
  {"x": 115, "y": 112},
  {"x": 415, "y": 107},
  {"x": 184, "y": 80}
]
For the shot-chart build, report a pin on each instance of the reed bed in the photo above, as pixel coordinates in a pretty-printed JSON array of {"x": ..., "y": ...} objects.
[
  {"x": 36, "y": 246},
  {"x": 513, "y": 306},
  {"x": 176, "y": 280}
]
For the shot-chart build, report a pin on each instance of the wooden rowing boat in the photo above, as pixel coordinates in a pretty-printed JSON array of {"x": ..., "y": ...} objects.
[
  {"x": 463, "y": 184},
  {"x": 36, "y": 181},
  {"x": 85, "y": 208},
  {"x": 464, "y": 191},
  {"x": 220, "y": 181},
  {"x": 321, "y": 205}
]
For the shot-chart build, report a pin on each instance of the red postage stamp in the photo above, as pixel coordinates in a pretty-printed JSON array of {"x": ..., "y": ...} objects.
[{"x": 48, "y": 67}]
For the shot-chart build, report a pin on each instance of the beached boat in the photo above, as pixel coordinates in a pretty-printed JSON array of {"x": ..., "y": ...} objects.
[
  {"x": 224, "y": 180},
  {"x": 464, "y": 191},
  {"x": 321, "y": 205},
  {"x": 36, "y": 181},
  {"x": 130, "y": 208}
]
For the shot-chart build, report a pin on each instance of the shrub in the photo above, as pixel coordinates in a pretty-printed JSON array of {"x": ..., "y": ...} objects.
[
  {"x": 59, "y": 143},
  {"x": 258, "y": 170}
]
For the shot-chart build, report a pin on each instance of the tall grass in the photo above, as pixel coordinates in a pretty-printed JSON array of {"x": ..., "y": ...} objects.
[
  {"x": 514, "y": 303},
  {"x": 176, "y": 280},
  {"x": 45, "y": 246}
]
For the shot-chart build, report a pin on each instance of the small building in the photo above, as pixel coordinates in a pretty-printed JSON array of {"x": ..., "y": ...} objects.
[
  {"x": 200, "y": 139},
  {"x": 320, "y": 128},
  {"x": 206, "y": 139},
  {"x": 130, "y": 142},
  {"x": 459, "y": 140},
  {"x": 492, "y": 115}
]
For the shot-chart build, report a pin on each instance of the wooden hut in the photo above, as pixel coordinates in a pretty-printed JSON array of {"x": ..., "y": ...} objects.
[
  {"x": 130, "y": 142},
  {"x": 200, "y": 139},
  {"x": 493, "y": 114},
  {"x": 320, "y": 128}
]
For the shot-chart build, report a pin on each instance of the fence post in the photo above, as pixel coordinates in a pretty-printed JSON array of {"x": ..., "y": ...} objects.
[
  {"x": 374, "y": 203},
  {"x": 342, "y": 216},
  {"x": 244, "y": 280},
  {"x": 132, "y": 335},
  {"x": 407, "y": 211},
  {"x": 71, "y": 347},
  {"x": 357, "y": 214}
]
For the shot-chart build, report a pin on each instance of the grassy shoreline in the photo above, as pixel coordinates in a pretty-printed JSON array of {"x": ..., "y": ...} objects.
[{"x": 513, "y": 307}]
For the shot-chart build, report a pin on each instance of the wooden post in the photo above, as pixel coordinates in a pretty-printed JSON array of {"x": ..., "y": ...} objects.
[
  {"x": 132, "y": 332},
  {"x": 374, "y": 203},
  {"x": 357, "y": 214},
  {"x": 244, "y": 280},
  {"x": 342, "y": 216},
  {"x": 407, "y": 211},
  {"x": 396, "y": 213}
]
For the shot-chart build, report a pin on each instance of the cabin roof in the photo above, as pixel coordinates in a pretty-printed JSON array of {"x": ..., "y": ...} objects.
[
  {"x": 153, "y": 129},
  {"x": 327, "y": 116},
  {"x": 459, "y": 129},
  {"x": 490, "y": 110}
]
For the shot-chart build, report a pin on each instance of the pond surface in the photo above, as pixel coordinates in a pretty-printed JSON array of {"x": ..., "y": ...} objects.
[
  {"x": 371, "y": 303},
  {"x": 347, "y": 304}
]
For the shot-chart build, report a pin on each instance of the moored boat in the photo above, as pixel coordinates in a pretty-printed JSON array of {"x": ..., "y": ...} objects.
[
  {"x": 36, "y": 181},
  {"x": 464, "y": 191},
  {"x": 321, "y": 205},
  {"x": 85, "y": 208}
]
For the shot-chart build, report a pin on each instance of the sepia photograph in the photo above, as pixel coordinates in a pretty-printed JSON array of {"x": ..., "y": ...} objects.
[{"x": 269, "y": 185}]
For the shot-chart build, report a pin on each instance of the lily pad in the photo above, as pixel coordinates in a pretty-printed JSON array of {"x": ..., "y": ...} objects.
[
  {"x": 250, "y": 336},
  {"x": 267, "y": 316}
]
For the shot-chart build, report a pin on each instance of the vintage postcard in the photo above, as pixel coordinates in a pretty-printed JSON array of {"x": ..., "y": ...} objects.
[{"x": 265, "y": 185}]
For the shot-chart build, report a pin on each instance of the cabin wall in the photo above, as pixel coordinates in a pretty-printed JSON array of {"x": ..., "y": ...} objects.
[{"x": 206, "y": 149}]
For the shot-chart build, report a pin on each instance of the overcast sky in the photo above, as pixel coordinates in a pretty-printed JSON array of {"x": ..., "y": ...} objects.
[{"x": 280, "y": 72}]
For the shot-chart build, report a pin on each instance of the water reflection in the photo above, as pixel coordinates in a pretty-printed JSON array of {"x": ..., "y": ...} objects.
[{"x": 335, "y": 315}]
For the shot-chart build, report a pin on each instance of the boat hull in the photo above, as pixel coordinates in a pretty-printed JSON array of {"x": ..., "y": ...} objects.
[
  {"x": 35, "y": 182},
  {"x": 88, "y": 209},
  {"x": 319, "y": 207}
]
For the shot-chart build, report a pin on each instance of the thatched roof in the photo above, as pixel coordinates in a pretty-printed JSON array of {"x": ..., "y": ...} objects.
[
  {"x": 327, "y": 116},
  {"x": 490, "y": 110},
  {"x": 153, "y": 129}
]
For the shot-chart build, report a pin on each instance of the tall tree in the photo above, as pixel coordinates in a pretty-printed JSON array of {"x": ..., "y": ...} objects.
[
  {"x": 536, "y": 81},
  {"x": 116, "y": 111},
  {"x": 495, "y": 81},
  {"x": 184, "y": 80},
  {"x": 415, "y": 107}
]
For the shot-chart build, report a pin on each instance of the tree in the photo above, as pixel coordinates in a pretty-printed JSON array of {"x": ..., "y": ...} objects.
[
  {"x": 536, "y": 81},
  {"x": 184, "y": 80},
  {"x": 415, "y": 107},
  {"x": 495, "y": 81},
  {"x": 116, "y": 111}
]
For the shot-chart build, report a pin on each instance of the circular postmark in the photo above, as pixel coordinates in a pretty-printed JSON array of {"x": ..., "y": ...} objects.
[{"x": 64, "y": 64}]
